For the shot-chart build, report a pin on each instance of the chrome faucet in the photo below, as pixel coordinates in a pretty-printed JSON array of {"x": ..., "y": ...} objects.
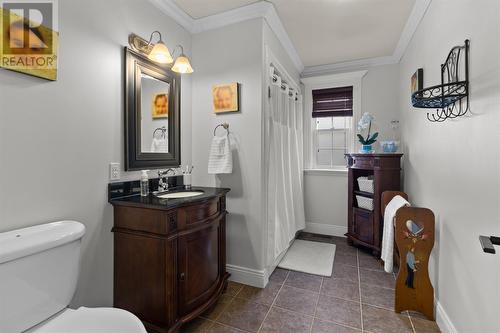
[{"x": 163, "y": 176}]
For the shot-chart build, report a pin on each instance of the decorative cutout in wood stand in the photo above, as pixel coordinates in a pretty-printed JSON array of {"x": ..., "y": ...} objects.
[{"x": 415, "y": 240}]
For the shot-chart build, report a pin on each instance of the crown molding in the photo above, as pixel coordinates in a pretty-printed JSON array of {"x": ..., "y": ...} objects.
[
  {"x": 329, "y": 78},
  {"x": 346, "y": 66},
  {"x": 240, "y": 14},
  {"x": 416, "y": 16},
  {"x": 264, "y": 10},
  {"x": 276, "y": 25},
  {"x": 170, "y": 8}
]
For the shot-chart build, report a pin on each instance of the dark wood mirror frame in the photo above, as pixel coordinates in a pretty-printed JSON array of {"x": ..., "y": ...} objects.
[{"x": 135, "y": 159}]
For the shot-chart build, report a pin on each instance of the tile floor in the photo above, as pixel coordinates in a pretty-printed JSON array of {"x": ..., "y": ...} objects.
[{"x": 359, "y": 297}]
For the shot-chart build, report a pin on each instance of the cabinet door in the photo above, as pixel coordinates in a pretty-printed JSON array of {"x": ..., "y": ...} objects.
[
  {"x": 199, "y": 265},
  {"x": 363, "y": 225}
]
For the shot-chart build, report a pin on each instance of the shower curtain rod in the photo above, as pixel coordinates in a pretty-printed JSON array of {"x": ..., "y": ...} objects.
[
  {"x": 284, "y": 76},
  {"x": 284, "y": 84}
]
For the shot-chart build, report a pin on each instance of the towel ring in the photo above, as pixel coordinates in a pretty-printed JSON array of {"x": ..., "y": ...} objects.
[
  {"x": 163, "y": 130},
  {"x": 225, "y": 125}
]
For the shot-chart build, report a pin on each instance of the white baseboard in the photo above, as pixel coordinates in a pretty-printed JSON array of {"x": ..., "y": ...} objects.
[
  {"x": 248, "y": 276},
  {"x": 326, "y": 229},
  {"x": 443, "y": 321}
]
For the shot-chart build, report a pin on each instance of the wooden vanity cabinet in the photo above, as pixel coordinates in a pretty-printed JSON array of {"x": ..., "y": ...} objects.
[{"x": 169, "y": 265}]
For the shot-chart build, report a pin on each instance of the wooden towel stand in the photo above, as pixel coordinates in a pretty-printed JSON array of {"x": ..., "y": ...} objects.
[{"x": 414, "y": 237}]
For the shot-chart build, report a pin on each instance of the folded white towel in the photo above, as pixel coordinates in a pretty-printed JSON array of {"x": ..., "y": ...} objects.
[
  {"x": 220, "y": 159},
  {"x": 388, "y": 236}
]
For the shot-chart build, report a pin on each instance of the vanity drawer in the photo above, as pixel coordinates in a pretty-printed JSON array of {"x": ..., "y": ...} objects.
[
  {"x": 192, "y": 216},
  {"x": 202, "y": 212},
  {"x": 363, "y": 163},
  {"x": 140, "y": 219},
  {"x": 145, "y": 220},
  {"x": 370, "y": 163}
]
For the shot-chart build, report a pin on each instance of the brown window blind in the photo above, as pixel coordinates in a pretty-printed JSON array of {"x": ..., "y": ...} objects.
[{"x": 332, "y": 102}]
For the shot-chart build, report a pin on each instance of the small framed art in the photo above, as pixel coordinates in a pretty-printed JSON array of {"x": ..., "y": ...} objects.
[
  {"x": 226, "y": 97},
  {"x": 417, "y": 81}
]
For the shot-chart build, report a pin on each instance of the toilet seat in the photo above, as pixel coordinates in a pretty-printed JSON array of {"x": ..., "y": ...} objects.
[{"x": 91, "y": 320}]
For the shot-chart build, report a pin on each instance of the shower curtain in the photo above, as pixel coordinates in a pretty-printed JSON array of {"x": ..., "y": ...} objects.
[{"x": 285, "y": 198}]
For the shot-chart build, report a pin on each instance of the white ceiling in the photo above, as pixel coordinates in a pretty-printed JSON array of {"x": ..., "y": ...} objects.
[{"x": 328, "y": 31}]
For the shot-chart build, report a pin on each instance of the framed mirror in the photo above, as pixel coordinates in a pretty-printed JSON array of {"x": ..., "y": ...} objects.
[{"x": 152, "y": 114}]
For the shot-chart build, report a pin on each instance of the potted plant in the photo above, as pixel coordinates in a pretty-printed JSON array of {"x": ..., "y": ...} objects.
[{"x": 366, "y": 143}]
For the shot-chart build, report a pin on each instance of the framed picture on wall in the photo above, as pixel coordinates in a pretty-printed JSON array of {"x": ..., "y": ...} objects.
[
  {"x": 159, "y": 106},
  {"x": 417, "y": 81},
  {"x": 226, "y": 97}
]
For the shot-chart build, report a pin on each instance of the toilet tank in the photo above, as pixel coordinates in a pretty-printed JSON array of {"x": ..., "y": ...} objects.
[{"x": 39, "y": 269}]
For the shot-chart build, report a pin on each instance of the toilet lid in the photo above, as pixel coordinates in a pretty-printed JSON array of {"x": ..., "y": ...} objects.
[{"x": 91, "y": 320}]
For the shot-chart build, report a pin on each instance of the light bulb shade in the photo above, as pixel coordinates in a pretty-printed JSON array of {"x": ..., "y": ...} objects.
[
  {"x": 182, "y": 65},
  {"x": 161, "y": 54}
]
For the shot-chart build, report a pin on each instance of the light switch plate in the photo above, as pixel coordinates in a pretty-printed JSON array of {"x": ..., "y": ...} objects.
[{"x": 114, "y": 171}]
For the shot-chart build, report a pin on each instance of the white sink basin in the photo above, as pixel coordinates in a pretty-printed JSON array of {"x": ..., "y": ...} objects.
[{"x": 176, "y": 195}]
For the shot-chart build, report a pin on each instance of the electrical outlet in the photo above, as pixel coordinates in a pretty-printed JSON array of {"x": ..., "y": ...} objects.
[{"x": 114, "y": 171}]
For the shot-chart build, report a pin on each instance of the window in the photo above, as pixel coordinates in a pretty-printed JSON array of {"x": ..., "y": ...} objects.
[
  {"x": 332, "y": 107},
  {"x": 332, "y": 113},
  {"x": 331, "y": 137}
]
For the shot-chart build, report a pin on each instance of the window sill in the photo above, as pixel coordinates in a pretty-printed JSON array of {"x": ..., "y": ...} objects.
[{"x": 334, "y": 171}]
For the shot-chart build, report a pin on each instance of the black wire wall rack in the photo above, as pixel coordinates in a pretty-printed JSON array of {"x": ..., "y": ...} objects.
[{"x": 451, "y": 97}]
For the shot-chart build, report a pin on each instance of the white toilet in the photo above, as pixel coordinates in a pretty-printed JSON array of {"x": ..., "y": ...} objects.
[{"x": 39, "y": 269}]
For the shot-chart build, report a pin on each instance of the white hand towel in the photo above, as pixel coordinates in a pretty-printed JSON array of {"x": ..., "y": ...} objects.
[
  {"x": 159, "y": 145},
  {"x": 388, "y": 236},
  {"x": 220, "y": 159}
]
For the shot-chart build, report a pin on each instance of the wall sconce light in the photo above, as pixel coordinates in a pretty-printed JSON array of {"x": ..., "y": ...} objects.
[
  {"x": 160, "y": 53},
  {"x": 182, "y": 64}
]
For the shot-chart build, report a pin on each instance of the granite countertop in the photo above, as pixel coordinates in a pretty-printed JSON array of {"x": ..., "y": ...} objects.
[{"x": 153, "y": 202}]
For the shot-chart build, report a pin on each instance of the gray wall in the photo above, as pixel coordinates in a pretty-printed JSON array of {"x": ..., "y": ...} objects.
[
  {"x": 57, "y": 138},
  {"x": 228, "y": 54},
  {"x": 232, "y": 54},
  {"x": 453, "y": 167}
]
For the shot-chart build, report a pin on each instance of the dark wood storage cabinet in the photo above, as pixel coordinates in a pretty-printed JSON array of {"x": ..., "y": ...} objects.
[
  {"x": 169, "y": 264},
  {"x": 365, "y": 226}
]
